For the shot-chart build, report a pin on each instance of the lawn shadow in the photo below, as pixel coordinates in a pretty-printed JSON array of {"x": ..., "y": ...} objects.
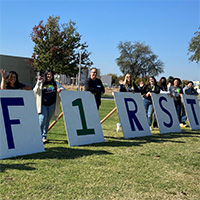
[
  {"x": 55, "y": 141},
  {"x": 63, "y": 153},
  {"x": 138, "y": 141},
  {"x": 118, "y": 142},
  {"x": 3, "y": 167}
]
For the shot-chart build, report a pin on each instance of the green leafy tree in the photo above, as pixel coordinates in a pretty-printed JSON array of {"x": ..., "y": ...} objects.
[
  {"x": 138, "y": 59},
  {"x": 144, "y": 79},
  {"x": 57, "y": 47},
  {"x": 114, "y": 78},
  {"x": 119, "y": 78},
  {"x": 184, "y": 83},
  {"x": 194, "y": 47},
  {"x": 170, "y": 79}
]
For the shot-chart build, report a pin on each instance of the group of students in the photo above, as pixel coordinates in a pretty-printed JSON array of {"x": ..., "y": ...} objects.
[
  {"x": 172, "y": 88},
  {"x": 47, "y": 92}
]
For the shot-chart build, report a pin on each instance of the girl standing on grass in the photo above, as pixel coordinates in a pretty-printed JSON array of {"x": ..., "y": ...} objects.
[
  {"x": 176, "y": 92},
  {"x": 127, "y": 86},
  {"x": 146, "y": 92},
  {"x": 47, "y": 99}
]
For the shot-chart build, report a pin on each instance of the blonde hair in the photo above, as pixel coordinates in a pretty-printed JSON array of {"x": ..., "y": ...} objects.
[{"x": 126, "y": 82}]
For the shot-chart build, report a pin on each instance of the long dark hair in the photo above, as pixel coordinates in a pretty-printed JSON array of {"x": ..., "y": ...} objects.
[
  {"x": 179, "y": 81},
  {"x": 45, "y": 77},
  {"x": 16, "y": 84},
  {"x": 163, "y": 84},
  {"x": 155, "y": 82}
]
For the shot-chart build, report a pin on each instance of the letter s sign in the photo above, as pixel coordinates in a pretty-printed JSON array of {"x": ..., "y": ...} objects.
[{"x": 166, "y": 111}]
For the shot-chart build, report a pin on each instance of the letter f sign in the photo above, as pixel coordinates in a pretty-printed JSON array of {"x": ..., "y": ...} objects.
[{"x": 5, "y": 102}]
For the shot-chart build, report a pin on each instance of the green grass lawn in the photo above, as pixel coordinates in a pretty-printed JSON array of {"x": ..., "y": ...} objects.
[{"x": 161, "y": 166}]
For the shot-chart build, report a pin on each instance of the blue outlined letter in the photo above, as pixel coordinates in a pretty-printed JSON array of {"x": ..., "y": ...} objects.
[
  {"x": 166, "y": 111},
  {"x": 192, "y": 102},
  {"x": 132, "y": 116},
  {"x": 5, "y": 102}
]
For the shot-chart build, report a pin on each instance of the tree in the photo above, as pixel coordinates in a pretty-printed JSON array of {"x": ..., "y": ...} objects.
[
  {"x": 137, "y": 59},
  {"x": 56, "y": 47},
  {"x": 170, "y": 79},
  {"x": 194, "y": 47},
  {"x": 114, "y": 78},
  {"x": 119, "y": 78},
  {"x": 184, "y": 83}
]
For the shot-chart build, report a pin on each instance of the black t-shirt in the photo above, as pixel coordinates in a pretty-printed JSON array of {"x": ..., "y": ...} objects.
[
  {"x": 48, "y": 94},
  {"x": 19, "y": 86},
  {"x": 96, "y": 87}
]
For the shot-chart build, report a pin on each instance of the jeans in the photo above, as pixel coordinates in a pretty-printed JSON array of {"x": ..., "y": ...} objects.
[
  {"x": 183, "y": 114},
  {"x": 178, "y": 109},
  {"x": 148, "y": 106},
  {"x": 45, "y": 117}
]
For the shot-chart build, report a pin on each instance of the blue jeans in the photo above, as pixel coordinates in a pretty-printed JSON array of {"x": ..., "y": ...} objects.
[
  {"x": 148, "y": 106},
  {"x": 45, "y": 117},
  {"x": 178, "y": 109},
  {"x": 183, "y": 114}
]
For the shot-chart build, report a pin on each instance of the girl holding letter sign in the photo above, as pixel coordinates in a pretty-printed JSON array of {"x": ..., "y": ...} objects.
[
  {"x": 48, "y": 101},
  {"x": 127, "y": 86},
  {"x": 11, "y": 81},
  {"x": 146, "y": 92},
  {"x": 176, "y": 92}
]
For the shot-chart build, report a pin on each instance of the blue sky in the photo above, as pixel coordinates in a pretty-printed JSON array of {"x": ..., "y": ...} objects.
[{"x": 166, "y": 26}]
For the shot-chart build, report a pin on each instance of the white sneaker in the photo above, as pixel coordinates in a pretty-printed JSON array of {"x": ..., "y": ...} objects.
[
  {"x": 118, "y": 127},
  {"x": 150, "y": 128}
]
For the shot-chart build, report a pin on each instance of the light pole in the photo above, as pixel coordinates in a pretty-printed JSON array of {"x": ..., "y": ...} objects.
[{"x": 79, "y": 73}]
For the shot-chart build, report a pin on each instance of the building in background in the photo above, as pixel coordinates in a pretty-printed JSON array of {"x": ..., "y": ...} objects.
[
  {"x": 21, "y": 65},
  {"x": 106, "y": 80},
  {"x": 27, "y": 75}
]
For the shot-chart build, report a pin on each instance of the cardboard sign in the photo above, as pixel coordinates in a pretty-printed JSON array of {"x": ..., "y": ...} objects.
[
  {"x": 20, "y": 133},
  {"x": 81, "y": 118},
  {"x": 192, "y": 110},
  {"x": 132, "y": 115},
  {"x": 166, "y": 114}
]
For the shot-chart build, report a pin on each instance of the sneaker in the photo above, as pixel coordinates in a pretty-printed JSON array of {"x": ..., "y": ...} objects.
[
  {"x": 44, "y": 140},
  {"x": 183, "y": 125},
  {"x": 150, "y": 128},
  {"x": 118, "y": 127}
]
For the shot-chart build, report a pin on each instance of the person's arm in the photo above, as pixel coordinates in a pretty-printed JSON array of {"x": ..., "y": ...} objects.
[
  {"x": 2, "y": 72},
  {"x": 143, "y": 90},
  {"x": 194, "y": 92},
  {"x": 59, "y": 87},
  {"x": 157, "y": 89},
  {"x": 38, "y": 84},
  {"x": 187, "y": 91},
  {"x": 136, "y": 89},
  {"x": 25, "y": 87},
  {"x": 164, "y": 92}
]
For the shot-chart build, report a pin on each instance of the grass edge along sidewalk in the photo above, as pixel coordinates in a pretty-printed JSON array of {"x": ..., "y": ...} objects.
[{"x": 161, "y": 166}]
